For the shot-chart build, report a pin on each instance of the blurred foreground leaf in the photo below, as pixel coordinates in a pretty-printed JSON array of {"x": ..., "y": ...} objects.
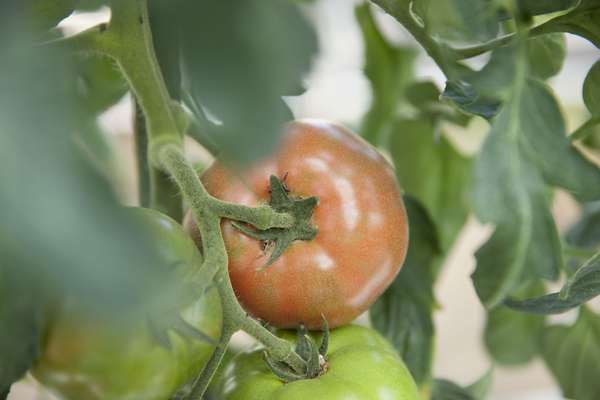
[
  {"x": 239, "y": 58},
  {"x": 62, "y": 231}
]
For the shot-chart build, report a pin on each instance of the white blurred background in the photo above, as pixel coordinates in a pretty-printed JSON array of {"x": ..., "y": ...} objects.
[{"x": 338, "y": 90}]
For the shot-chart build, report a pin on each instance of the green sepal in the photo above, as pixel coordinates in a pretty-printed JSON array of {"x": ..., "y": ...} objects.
[
  {"x": 313, "y": 366},
  {"x": 302, "y": 343},
  {"x": 300, "y": 208},
  {"x": 308, "y": 351},
  {"x": 325, "y": 339},
  {"x": 282, "y": 370}
]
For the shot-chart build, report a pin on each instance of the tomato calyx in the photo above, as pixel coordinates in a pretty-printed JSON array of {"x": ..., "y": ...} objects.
[
  {"x": 306, "y": 348},
  {"x": 279, "y": 239}
]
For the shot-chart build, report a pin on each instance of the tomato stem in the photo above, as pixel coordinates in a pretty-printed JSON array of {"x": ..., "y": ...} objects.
[
  {"x": 207, "y": 212},
  {"x": 128, "y": 40},
  {"x": 203, "y": 380}
]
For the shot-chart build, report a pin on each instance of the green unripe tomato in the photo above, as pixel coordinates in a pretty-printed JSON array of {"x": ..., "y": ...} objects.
[
  {"x": 361, "y": 365},
  {"x": 90, "y": 358}
]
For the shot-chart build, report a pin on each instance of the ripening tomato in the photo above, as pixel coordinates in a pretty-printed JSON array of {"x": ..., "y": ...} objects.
[
  {"x": 360, "y": 364},
  {"x": 86, "y": 357},
  {"x": 362, "y": 228}
]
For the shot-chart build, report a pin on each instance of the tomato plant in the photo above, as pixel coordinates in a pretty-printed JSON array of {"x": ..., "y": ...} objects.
[
  {"x": 87, "y": 356},
  {"x": 360, "y": 363},
  {"x": 362, "y": 228}
]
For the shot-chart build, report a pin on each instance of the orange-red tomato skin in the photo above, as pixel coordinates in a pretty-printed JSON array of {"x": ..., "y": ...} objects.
[{"x": 362, "y": 228}]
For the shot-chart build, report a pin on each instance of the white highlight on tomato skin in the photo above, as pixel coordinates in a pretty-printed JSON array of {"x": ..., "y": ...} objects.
[
  {"x": 376, "y": 280},
  {"x": 316, "y": 164},
  {"x": 375, "y": 219},
  {"x": 323, "y": 261},
  {"x": 350, "y": 205}
]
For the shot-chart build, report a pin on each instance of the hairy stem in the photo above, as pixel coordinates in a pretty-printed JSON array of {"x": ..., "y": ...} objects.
[
  {"x": 278, "y": 349},
  {"x": 140, "y": 137},
  {"x": 203, "y": 208},
  {"x": 203, "y": 380},
  {"x": 133, "y": 49},
  {"x": 263, "y": 217},
  {"x": 400, "y": 11},
  {"x": 127, "y": 38}
]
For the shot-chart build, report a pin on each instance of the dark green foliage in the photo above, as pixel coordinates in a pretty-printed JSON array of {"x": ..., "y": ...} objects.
[
  {"x": 403, "y": 313},
  {"x": 581, "y": 287},
  {"x": 237, "y": 60},
  {"x": 572, "y": 352}
]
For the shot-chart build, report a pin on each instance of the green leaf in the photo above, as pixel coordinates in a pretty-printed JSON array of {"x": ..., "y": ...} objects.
[
  {"x": 591, "y": 89},
  {"x": 425, "y": 97},
  {"x": 539, "y": 7},
  {"x": 239, "y": 59},
  {"x": 546, "y": 54},
  {"x": 481, "y": 387},
  {"x": 443, "y": 179},
  {"x": 509, "y": 192},
  {"x": 586, "y": 231},
  {"x": 46, "y": 14},
  {"x": 544, "y": 140},
  {"x": 389, "y": 70},
  {"x": 443, "y": 389},
  {"x": 100, "y": 83},
  {"x": 22, "y": 322},
  {"x": 166, "y": 37},
  {"x": 517, "y": 160},
  {"x": 482, "y": 92},
  {"x": 403, "y": 312},
  {"x": 465, "y": 20},
  {"x": 466, "y": 98},
  {"x": 446, "y": 390},
  {"x": 62, "y": 230},
  {"x": 581, "y": 21},
  {"x": 91, "y": 5},
  {"x": 511, "y": 337},
  {"x": 572, "y": 354},
  {"x": 422, "y": 94},
  {"x": 583, "y": 286}
]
